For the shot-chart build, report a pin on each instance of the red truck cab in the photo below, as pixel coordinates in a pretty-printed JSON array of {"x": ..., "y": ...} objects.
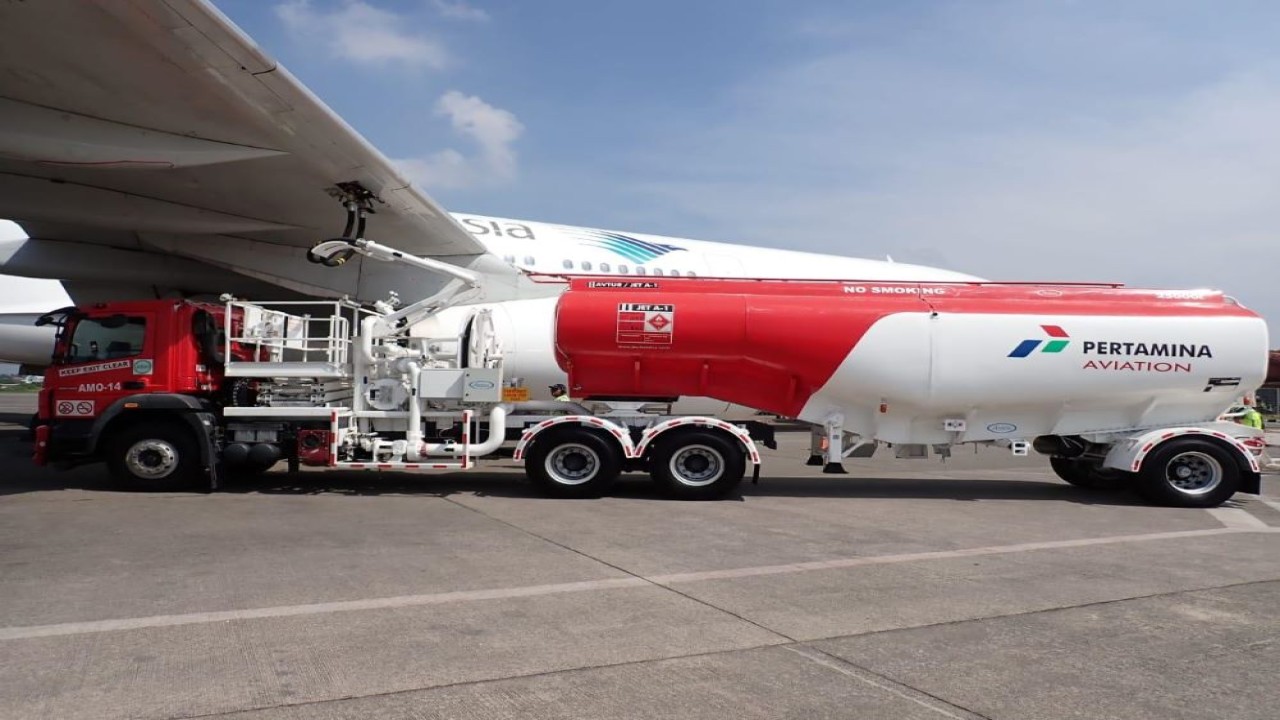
[{"x": 123, "y": 370}]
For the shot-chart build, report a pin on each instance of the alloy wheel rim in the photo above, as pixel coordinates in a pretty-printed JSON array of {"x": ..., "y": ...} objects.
[
  {"x": 696, "y": 466},
  {"x": 1194, "y": 473},
  {"x": 572, "y": 464},
  {"x": 152, "y": 459}
]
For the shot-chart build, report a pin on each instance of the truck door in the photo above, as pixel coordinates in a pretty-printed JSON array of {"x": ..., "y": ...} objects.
[{"x": 102, "y": 359}]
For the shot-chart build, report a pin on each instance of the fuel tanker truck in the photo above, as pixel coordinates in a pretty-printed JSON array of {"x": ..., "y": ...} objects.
[{"x": 1117, "y": 386}]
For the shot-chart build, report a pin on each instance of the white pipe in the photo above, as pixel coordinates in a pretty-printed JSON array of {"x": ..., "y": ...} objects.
[
  {"x": 497, "y": 435},
  {"x": 366, "y": 338},
  {"x": 414, "y": 433}
]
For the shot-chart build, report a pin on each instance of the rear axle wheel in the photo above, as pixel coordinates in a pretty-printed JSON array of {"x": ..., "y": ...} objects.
[
  {"x": 573, "y": 463},
  {"x": 698, "y": 465},
  {"x": 1189, "y": 472}
]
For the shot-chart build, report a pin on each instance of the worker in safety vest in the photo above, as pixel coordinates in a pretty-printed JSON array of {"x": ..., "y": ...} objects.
[
  {"x": 1251, "y": 418},
  {"x": 560, "y": 392}
]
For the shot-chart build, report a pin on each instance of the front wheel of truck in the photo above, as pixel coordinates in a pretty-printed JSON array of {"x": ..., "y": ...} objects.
[{"x": 153, "y": 456}]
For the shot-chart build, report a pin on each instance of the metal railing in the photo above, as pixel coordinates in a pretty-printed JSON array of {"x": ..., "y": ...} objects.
[{"x": 290, "y": 338}]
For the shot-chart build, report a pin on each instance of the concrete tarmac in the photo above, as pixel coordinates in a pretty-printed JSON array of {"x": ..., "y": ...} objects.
[{"x": 979, "y": 587}]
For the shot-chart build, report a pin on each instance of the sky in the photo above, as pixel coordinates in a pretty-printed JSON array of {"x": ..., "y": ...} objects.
[{"x": 1058, "y": 140}]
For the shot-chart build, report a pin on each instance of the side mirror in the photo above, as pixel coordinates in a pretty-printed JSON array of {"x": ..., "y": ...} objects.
[{"x": 57, "y": 317}]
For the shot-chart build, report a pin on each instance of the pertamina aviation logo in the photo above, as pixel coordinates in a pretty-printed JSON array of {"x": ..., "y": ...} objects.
[
  {"x": 1054, "y": 345},
  {"x": 1118, "y": 355}
]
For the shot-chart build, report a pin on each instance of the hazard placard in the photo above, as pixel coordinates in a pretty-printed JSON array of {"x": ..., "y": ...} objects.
[
  {"x": 646, "y": 324},
  {"x": 515, "y": 394}
]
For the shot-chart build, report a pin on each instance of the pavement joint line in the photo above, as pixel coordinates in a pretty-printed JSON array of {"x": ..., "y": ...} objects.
[
  {"x": 946, "y": 554},
  {"x": 707, "y": 654},
  {"x": 631, "y": 581},
  {"x": 1236, "y": 518},
  {"x": 479, "y": 681},
  {"x": 1041, "y": 611},
  {"x": 648, "y": 581},
  {"x": 876, "y": 680}
]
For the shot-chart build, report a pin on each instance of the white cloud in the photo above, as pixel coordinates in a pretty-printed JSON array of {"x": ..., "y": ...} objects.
[
  {"x": 360, "y": 32},
  {"x": 492, "y": 129},
  {"x": 459, "y": 10}
]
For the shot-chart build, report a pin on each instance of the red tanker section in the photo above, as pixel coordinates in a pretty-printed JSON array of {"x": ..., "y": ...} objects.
[
  {"x": 771, "y": 344},
  {"x": 769, "y": 350}
]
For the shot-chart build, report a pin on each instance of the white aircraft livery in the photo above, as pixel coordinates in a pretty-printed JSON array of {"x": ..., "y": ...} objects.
[{"x": 149, "y": 148}]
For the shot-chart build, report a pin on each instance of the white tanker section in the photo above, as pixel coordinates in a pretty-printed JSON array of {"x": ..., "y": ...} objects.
[
  {"x": 527, "y": 330},
  {"x": 914, "y": 375}
]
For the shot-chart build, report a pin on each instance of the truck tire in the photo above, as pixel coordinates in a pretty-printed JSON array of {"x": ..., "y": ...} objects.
[
  {"x": 1086, "y": 475},
  {"x": 697, "y": 465},
  {"x": 573, "y": 462},
  {"x": 1189, "y": 472},
  {"x": 153, "y": 456}
]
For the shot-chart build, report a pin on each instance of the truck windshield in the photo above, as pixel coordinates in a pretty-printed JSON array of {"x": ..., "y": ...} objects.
[{"x": 106, "y": 338}]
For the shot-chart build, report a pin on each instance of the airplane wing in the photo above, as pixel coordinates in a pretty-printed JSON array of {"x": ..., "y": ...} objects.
[{"x": 153, "y": 137}]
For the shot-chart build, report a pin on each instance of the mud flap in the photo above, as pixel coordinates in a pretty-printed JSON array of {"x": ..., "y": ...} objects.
[
  {"x": 1250, "y": 482},
  {"x": 204, "y": 426}
]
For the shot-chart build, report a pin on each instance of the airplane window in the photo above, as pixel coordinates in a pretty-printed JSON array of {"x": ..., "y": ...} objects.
[
  {"x": 604, "y": 267},
  {"x": 690, "y": 273},
  {"x": 675, "y": 273},
  {"x": 509, "y": 259},
  {"x": 568, "y": 264},
  {"x": 622, "y": 269},
  {"x": 657, "y": 271},
  {"x": 528, "y": 260},
  {"x": 586, "y": 265},
  {"x": 640, "y": 270}
]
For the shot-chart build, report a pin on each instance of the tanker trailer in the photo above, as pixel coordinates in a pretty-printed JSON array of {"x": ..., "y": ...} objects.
[{"x": 1116, "y": 385}]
